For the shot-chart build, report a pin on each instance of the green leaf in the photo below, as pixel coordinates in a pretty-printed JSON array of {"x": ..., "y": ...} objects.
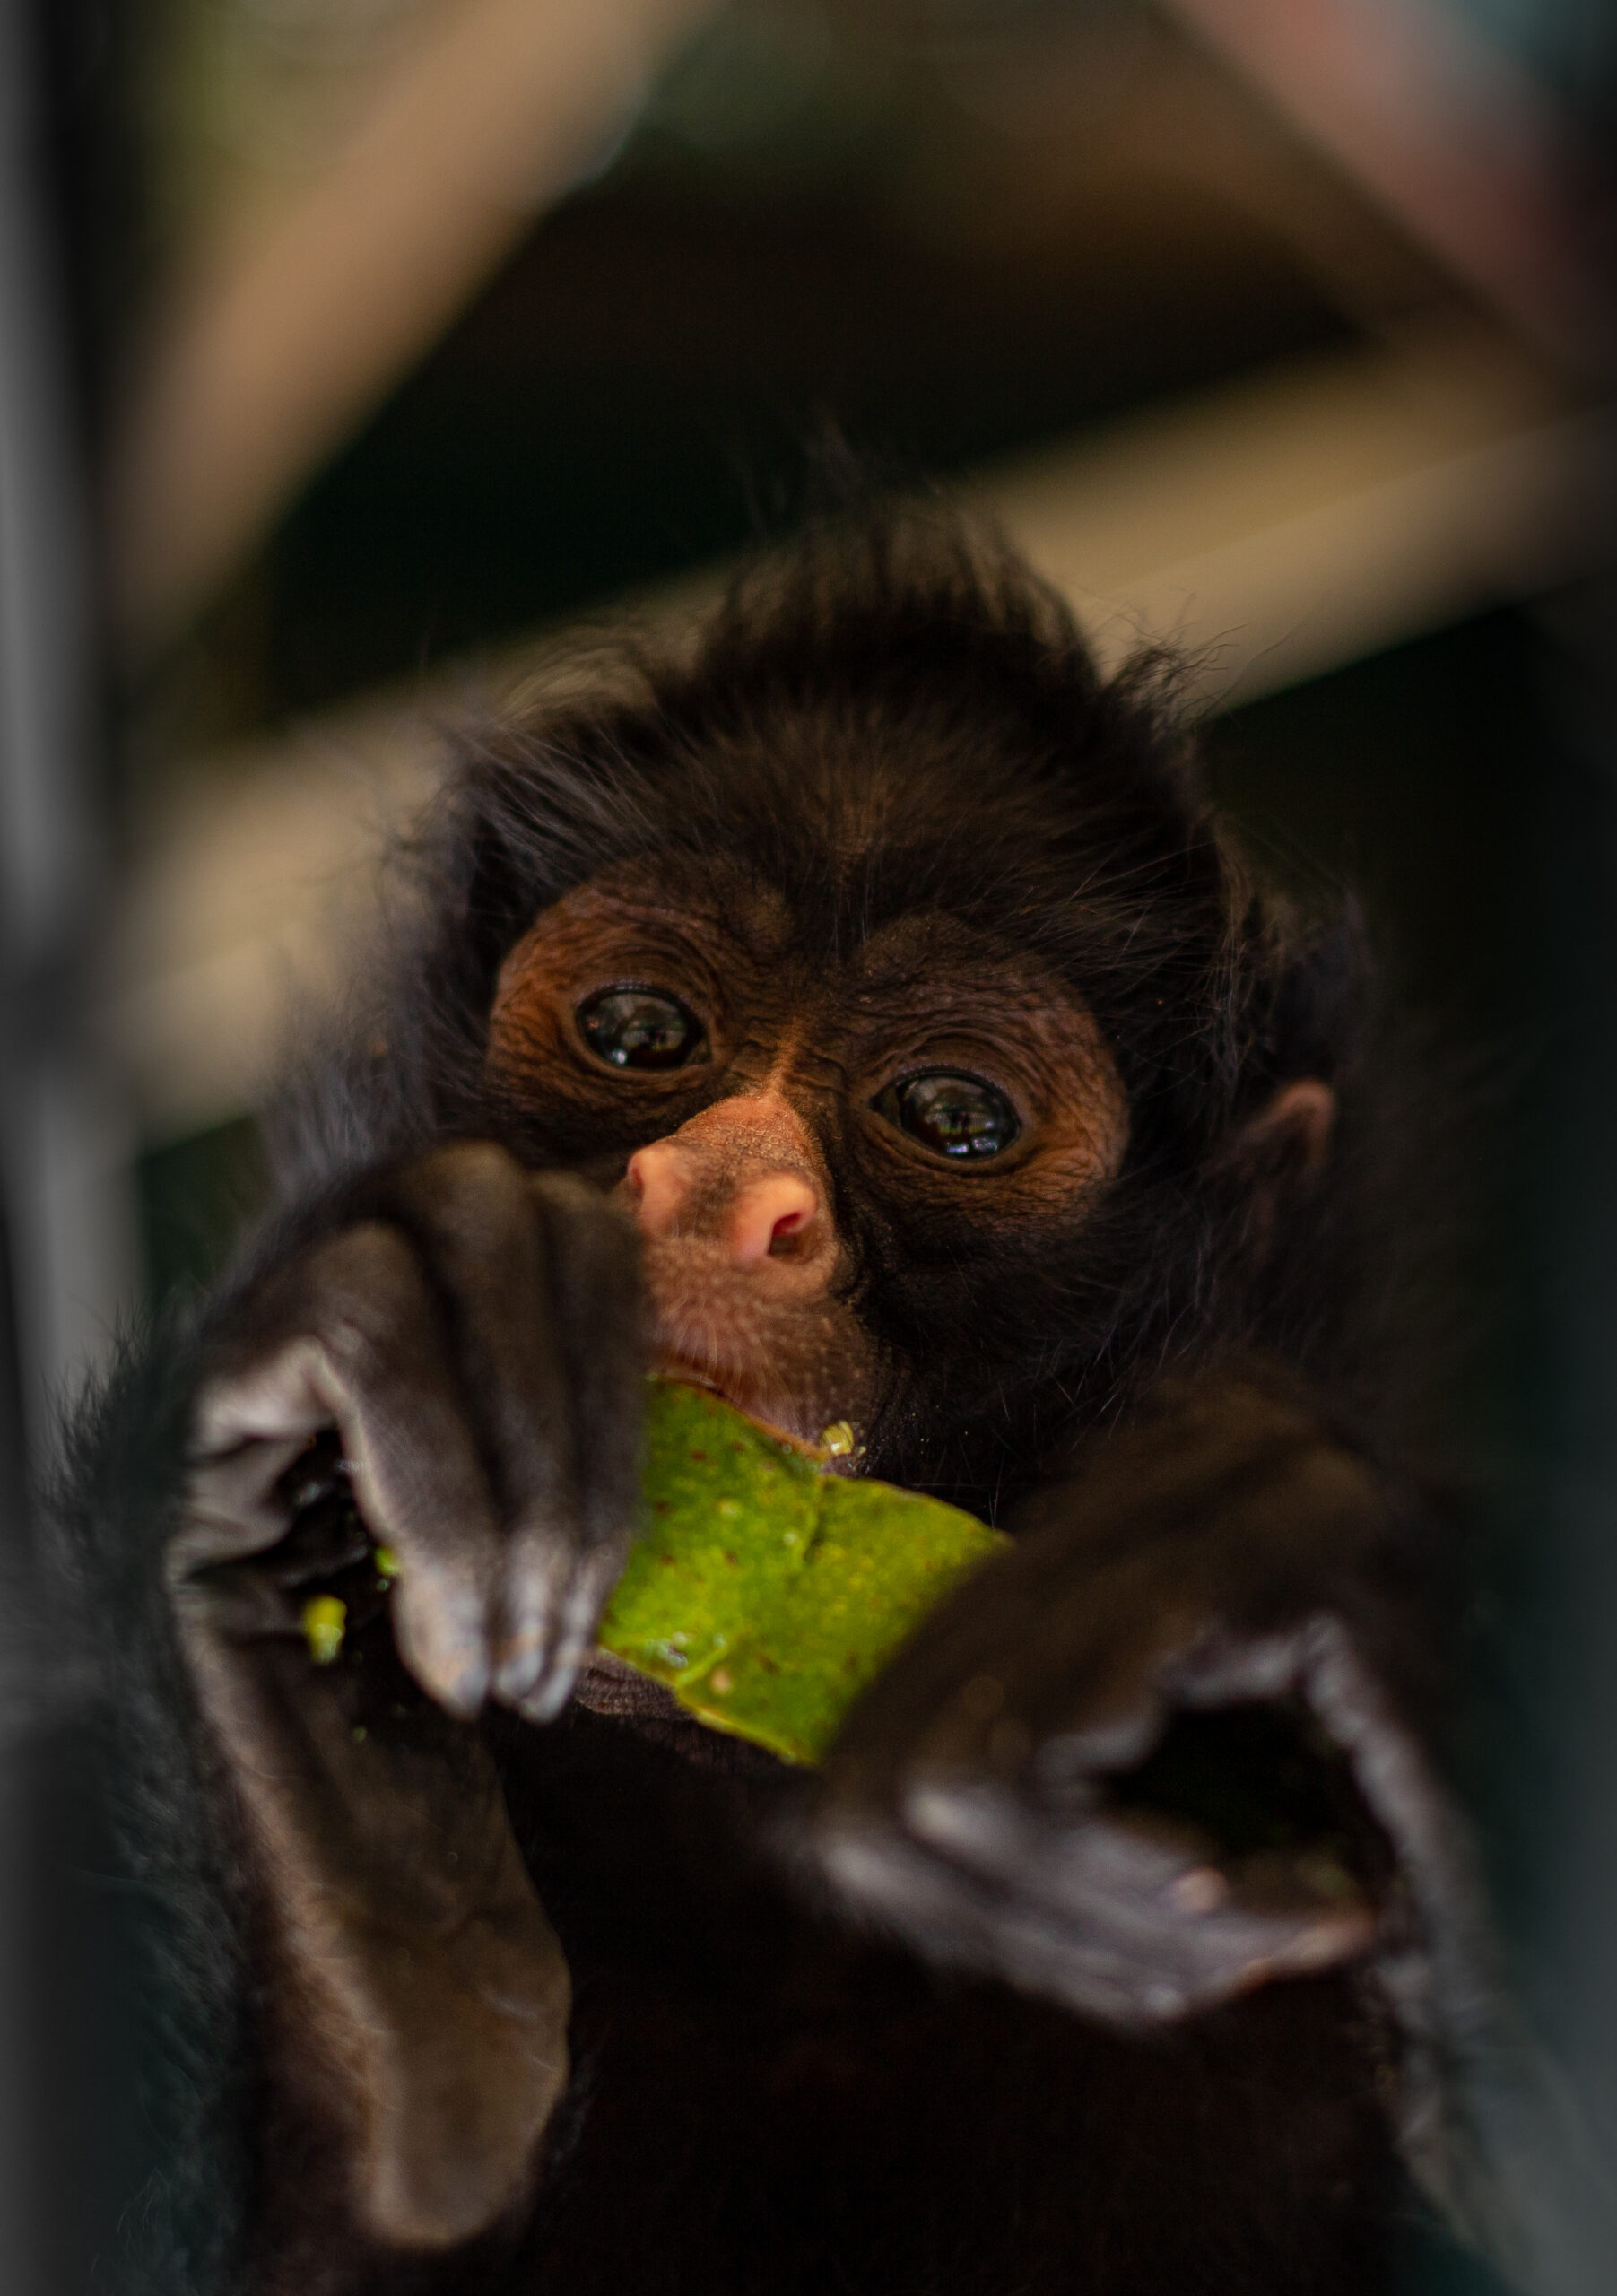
[{"x": 768, "y": 1592}]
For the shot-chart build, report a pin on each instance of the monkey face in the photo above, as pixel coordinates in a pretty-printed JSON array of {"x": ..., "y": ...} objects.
[{"x": 787, "y": 1121}]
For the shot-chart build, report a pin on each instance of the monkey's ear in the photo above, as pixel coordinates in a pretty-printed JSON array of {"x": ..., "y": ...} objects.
[{"x": 1290, "y": 1137}]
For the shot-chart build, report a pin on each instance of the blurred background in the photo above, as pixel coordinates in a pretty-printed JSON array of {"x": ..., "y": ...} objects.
[{"x": 350, "y": 348}]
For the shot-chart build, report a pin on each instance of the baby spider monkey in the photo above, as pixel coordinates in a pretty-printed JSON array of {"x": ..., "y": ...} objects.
[{"x": 858, "y": 1009}]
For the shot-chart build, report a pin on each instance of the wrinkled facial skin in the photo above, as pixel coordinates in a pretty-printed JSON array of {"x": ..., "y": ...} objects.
[{"x": 776, "y": 1200}]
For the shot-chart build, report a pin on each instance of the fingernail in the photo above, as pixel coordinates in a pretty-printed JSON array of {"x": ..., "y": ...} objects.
[
  {"x": 464, "y": 1692},
  {"x": 547, "y": 1699},
  {"x": 1203, "y": 1890},
  {"x": 517, "y": 1672}
]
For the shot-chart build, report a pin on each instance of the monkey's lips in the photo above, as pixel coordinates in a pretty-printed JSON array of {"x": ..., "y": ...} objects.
[
  {"x": 787, "y": 1352},
  {"x": 785, "y": 1415}
]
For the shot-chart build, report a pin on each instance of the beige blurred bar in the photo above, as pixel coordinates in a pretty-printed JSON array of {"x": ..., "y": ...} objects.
[
  {"x": 1443, "y": 130},
  {"x": 1303, "y": 519},
  {"x": 1275, "y": 530}
]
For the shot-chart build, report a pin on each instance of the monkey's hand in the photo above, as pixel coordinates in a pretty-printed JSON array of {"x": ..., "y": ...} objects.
[
  {"x": 1144, "y": 1761},
  {"x": 475, "y": 1338},
  {"x": 469, "y": 1346}
]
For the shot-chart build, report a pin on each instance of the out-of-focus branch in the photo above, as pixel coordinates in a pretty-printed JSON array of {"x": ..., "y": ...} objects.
[
  {"x": 1465, "y": 149},
  {"x": 268, "y": 350},
  {"x": 63, "y": 1139},
  {"x": 1274, "y": 528}
]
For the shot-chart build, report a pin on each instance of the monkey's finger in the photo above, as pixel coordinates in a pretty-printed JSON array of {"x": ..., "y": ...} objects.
[
  {"x": 544, "y": 1283},
  {"x": 1140, "y": 1906},
  {"x": 551, "y": 1597},
  {"x": 233, "y": 1505},
  {"x": 576, "y": 1591},
  {"x": 599, "y": 1291},
  {"x": 471, "y": 1211},
  {"x": 351, "y": 1335},
  {"x": 957, "y": 1912},
  {"x": 1131, "y": 1933}
]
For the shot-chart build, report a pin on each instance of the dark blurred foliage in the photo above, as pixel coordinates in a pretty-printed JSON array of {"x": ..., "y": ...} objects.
[{"x": 89, "y": 162}]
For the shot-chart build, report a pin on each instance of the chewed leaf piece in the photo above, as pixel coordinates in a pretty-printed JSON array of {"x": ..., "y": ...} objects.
[
  {"x": 325, "y": 1621},
  {"x": 766, "y": 1592}
]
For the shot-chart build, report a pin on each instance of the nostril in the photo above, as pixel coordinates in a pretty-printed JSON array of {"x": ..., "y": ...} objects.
[
  {"x": 787, "y": 1228},
  {"x": 770, "y": 1218}
]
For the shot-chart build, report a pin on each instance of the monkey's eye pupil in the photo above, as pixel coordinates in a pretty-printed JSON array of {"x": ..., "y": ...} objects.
[
  {"x": 640, "y": 1028},
  {"x": 953, "y": 1116}
]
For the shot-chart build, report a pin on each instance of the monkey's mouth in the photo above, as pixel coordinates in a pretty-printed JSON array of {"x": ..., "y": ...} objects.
[
  {"x": 799, "y": 1364},
  {"x": 767, "y": 1404},
  {"x": 807, "y": 1418}
]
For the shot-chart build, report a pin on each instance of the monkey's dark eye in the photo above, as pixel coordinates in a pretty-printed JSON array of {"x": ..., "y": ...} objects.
[
  {"x": 953, "y": 1116},
  {"x": 642, "y": 1028}
]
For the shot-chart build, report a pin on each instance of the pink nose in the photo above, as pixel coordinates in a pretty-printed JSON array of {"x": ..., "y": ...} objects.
[
  {"x": 660, "y": 1187},
  {"x": 751, "y": 1218},
  {"x": 765, "y": 1214}
]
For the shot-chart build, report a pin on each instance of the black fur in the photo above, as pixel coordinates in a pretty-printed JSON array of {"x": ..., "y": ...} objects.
[{"x": 891, "y": 716}]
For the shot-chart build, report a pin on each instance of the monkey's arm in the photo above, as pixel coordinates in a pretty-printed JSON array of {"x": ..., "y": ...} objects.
[
  {"x": 1156, "y": 1754},
  {"x": 466, "y": 1338},
  {"x": 410, "y": 1996}
]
